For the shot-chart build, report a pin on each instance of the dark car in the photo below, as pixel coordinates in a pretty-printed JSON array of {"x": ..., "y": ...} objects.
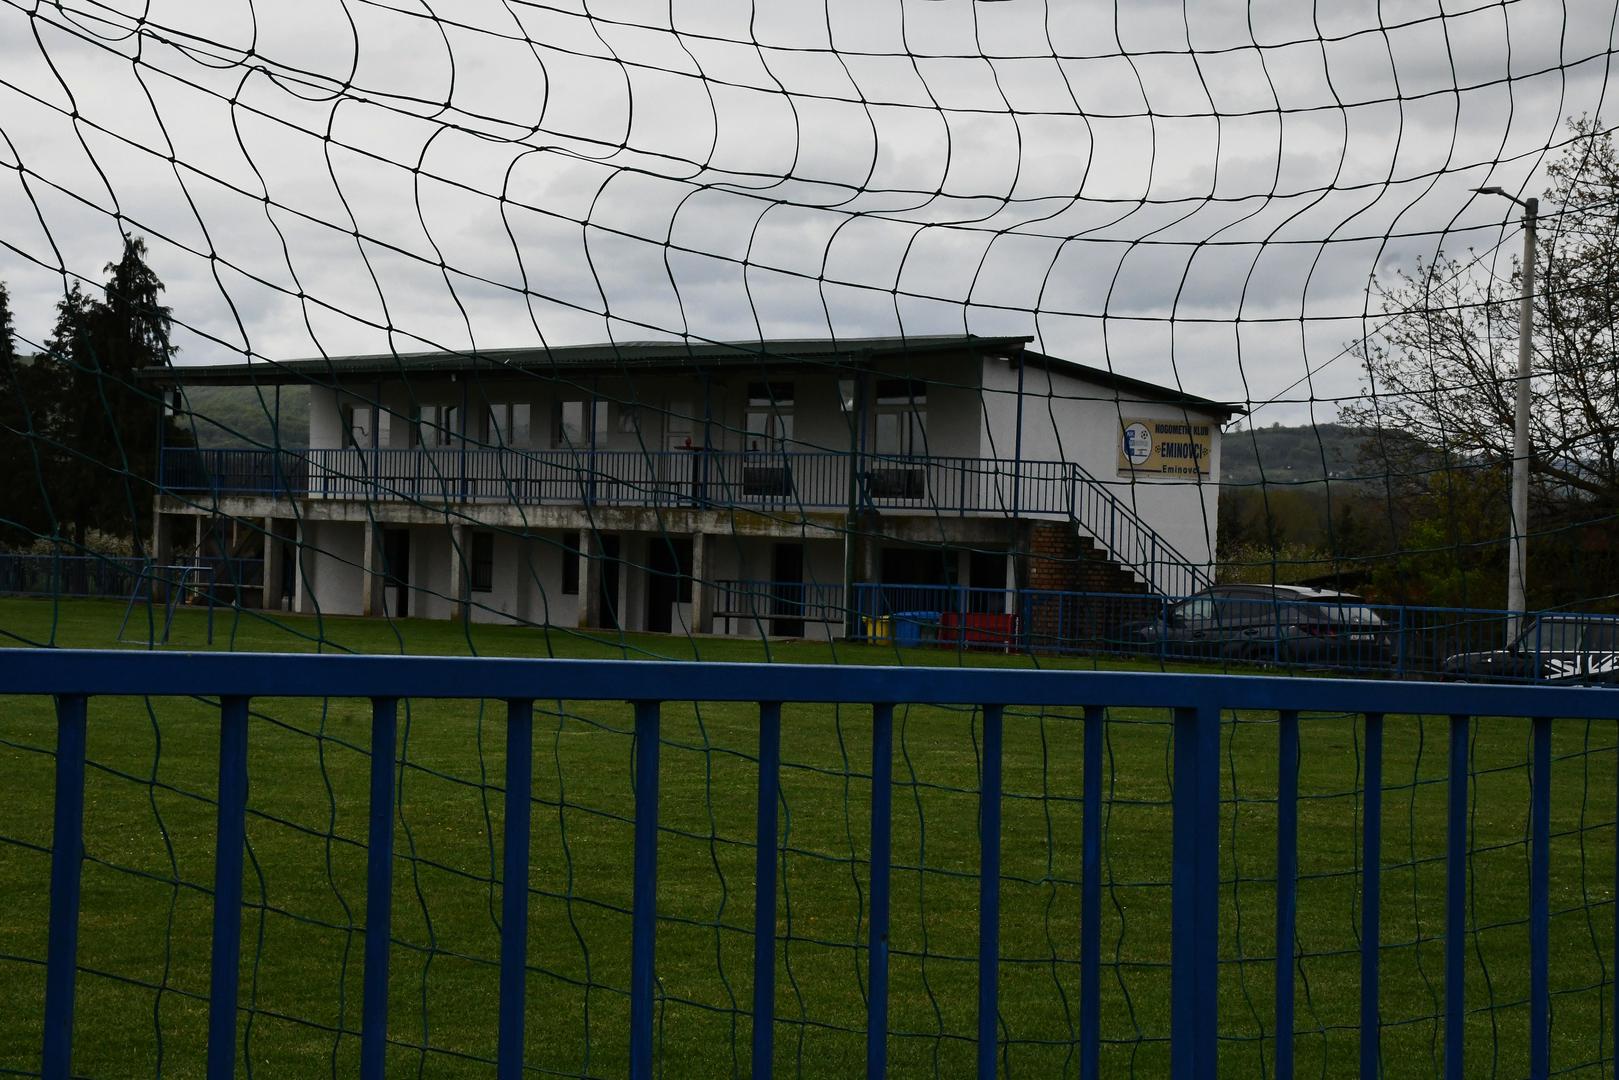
[
  {"x": 1551, "y": 648},
  {"x": 1287, "y": 624}
]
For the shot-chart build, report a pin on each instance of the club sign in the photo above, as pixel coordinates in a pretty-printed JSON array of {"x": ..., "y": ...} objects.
[{"x": 1163, "y": 447}]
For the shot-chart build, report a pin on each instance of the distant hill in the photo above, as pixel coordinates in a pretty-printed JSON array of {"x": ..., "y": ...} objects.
[
  {"x": 242, "y": 417},
  {"x": 1306, "y": 454}
]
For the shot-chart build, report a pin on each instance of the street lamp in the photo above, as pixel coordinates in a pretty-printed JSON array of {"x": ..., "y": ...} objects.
[{"x": 1516, "y": 561}]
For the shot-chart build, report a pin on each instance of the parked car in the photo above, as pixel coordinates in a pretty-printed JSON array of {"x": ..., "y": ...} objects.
[
  {"x": 1569, "y": 648},
  {"x": 1288, "y": 624}
]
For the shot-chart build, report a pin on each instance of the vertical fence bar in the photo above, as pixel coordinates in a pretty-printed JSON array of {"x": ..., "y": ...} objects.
[
  {"x": 882, "y": 806},
  {"x": 379, "y": 889},
  {"x": 67, "y": 859},
  {"x": 644, "y": 914},
  {"x": 989, "y": 893},
  {"x": 1371, "y": 916},
  {"x": 1195, "y": 894},
  {"x": 1540, "y": 813},
  {"x": 230, "y": 836},
  {"x": 1090, "y": 911},
  {"x": 764, "y": 891},
  {"x": 514, "y": 888},
  {"x": 1456, "y": 898},
  {"x": 1287, "y": 868}
]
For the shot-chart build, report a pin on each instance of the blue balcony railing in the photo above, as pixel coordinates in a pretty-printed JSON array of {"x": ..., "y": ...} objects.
[
  {"x": 772, "y": 482},
  {"x": 1196, "y": 706}
]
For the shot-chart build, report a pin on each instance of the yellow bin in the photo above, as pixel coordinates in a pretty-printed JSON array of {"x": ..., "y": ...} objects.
[{"x": 878, "y": 630}]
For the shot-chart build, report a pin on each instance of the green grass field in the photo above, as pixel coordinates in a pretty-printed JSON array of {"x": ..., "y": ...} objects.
[{"x": 149, "y": 826}]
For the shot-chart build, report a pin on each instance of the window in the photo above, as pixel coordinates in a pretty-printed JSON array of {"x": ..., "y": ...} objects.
[
  {"x": 579, "y": 429},
  {"x": 356, "y": 426},
  {"x": 570, "y": 564},
  {"x": 385, "y": 428},
  {"x": 902, "y": 411},
  {"x": 483, "y": 562},
  {"x": 770, "y": 416},
  {"x": 522, "y": 430}
]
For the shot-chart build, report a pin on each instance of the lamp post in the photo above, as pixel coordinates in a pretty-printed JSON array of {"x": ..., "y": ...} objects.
[{"x": 1516, "y": 561}]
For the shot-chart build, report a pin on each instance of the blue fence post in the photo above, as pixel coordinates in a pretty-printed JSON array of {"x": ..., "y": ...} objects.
[
  {"x": 1456, "y": 899},
  {"x": 1371, "y": 917},
  {"x": 230, "y": 836},
  {"x": 1090, "y": 911},
  {"x": 514, "y": 887},
  {"x": 764, "y": 891},
  {"x": 644, "y": 914},
  {"x": 379, "y": 889},
  {"x": 1540, "y": 813},
  {"x": 1287, "y": 867},
  {"x": 882, "y": 806},
  {"x": 1195, "y": 894},
  {"x": 989, "y": 893},
  {"x": 67, "y": 858}
]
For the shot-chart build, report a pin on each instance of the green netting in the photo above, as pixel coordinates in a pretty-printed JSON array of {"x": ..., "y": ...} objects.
[{"x": 1163, "y": 337}]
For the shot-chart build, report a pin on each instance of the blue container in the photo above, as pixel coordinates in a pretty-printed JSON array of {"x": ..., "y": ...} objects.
[{"x": 913, "y": 629}]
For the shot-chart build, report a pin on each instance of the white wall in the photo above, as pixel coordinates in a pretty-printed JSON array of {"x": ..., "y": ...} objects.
[{"x": 1067, "y": 419}]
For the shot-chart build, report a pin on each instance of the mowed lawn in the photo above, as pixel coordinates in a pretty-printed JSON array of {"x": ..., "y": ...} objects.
[{"x": 149, "y": 833}]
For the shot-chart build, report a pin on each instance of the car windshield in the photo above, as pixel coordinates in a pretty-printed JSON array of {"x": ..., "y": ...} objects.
[
  {"x": 1354, "y": 614},
  {"x": 1551, "y": 635}
]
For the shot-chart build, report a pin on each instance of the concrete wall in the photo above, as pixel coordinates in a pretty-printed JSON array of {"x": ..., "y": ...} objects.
[{"x": 1067, "y": 419}]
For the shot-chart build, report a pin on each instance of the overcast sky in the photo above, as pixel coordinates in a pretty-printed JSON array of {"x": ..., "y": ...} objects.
[{"x": 1194, "y": 194}]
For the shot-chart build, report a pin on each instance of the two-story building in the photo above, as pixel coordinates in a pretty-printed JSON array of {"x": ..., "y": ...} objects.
[{"x": 670, "y": 486}]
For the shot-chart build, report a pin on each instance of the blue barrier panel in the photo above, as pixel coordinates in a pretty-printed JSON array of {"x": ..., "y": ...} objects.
[
  {"x": 882, "y": 825},
  {"x": 379, "y": 889},
  {"x": 644, "y": 912},
  {"x": 1090, "y": 909},
  {"x": 1456, "y": 899},
  {"x": 1371, "y": 917},
  {"x": 989, "y": 891},
  {"x": 764, "y": 889},
  {"x": 229, "y": 837},
  {"x": 514, "y": 887},
  {"x": 1195, "y": 703},
  {"x": 67, "y": 859},
  {"x": 1287, "y": 872}
]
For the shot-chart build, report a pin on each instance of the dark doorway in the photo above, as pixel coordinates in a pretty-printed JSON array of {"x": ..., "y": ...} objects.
[
  {"x": 609, "y": 582},
  {"x": 987, "y": 570},
  {"x": 787, "y": 591},
  {"x": 396, "y": 572},
  {"x": 668, "y": 580}
]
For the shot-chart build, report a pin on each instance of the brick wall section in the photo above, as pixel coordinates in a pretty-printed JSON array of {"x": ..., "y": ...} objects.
[{"x": 1060, "y": 560}]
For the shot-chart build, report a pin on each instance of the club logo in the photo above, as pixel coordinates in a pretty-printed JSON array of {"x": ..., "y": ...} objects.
[{"x": 1137, "y": 444}]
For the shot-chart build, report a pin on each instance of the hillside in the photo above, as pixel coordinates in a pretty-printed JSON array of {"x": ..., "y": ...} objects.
[
  {"x": 240, "y": 417},
  {"x": 1291, "y": 455}
]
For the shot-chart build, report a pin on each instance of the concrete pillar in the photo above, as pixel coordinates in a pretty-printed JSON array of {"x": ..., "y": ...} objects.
[
  {"x": 272, "y": 567},
  {"x": 590, "y": 594},
  {"x": 371, "y": 569},
  {"x": 196, "y": 546},
  {"x": 460, "y": 556},
  {"x": 304, "y": 567},
  {"x": 702, "y": 593}
]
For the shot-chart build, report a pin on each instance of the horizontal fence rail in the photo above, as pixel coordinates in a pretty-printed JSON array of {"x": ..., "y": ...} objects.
[{"x": 1196, "y": 704}]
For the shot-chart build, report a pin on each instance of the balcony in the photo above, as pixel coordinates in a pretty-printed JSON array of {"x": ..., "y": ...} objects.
[{"x": 697, "y": 479}]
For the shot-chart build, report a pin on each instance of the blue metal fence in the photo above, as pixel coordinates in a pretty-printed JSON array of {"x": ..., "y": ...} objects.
[{"x": 1197, "y": 705}]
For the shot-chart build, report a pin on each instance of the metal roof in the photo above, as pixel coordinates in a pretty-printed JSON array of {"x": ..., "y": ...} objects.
[{"x": 654, "y": 355}]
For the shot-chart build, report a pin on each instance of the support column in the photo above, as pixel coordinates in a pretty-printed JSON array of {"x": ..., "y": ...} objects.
[
  {"x": 304, "y": 566},
  {"x": 371, "y": 569},
  {"x": 702, "y": 594},
  {"x": 590, "y": 593},
  {"x": 272, "y": 567},
  {"x": 460, "y": 553}
]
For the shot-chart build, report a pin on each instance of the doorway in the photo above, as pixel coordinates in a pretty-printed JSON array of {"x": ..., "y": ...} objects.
[
  {"x": 396, "y": 572},
  {"x": 787, "y": 591},
  {"x": 668, "y": 580}
]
